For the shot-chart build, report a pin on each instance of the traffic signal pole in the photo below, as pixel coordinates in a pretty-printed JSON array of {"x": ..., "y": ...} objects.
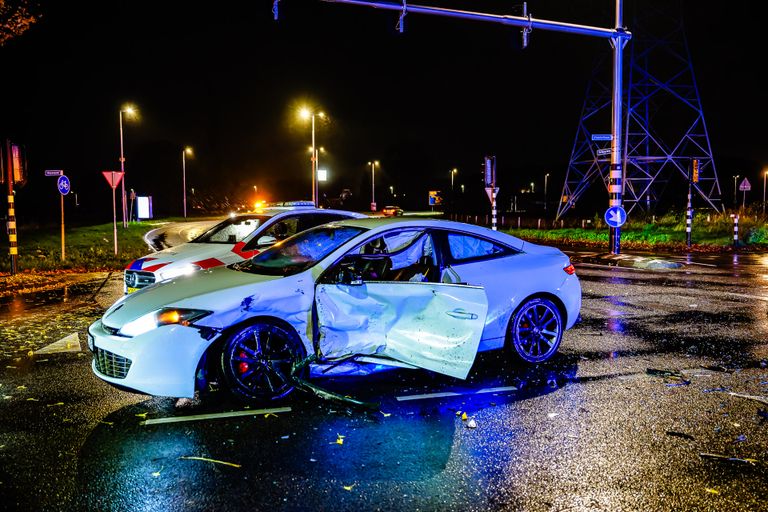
[{"x": 617, "y": 36}]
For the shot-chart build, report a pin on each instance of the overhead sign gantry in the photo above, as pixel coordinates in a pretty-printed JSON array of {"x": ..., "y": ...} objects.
[{"x": 617, "y": 36}]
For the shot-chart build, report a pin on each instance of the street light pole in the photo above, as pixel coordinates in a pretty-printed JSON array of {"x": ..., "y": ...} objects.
[
  {"x": 122, "y": 169},
  {"x": 187, "y": 150},
  {"x": 373, "y": 184},
  {"x": 764, "y": 175},
  {"x": 735, "y": 189},
  {"x": 546, "y": 178},
  {"x": 129, "y": 110}
]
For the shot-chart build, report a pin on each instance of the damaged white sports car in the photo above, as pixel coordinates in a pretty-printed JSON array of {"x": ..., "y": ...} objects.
[{"x": 351, "y": 297}]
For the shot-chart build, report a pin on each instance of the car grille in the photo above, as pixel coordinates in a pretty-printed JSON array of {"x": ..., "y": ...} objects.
[
  {"x": 110, "y": 364},
  {"x": 138, "y": 279}
]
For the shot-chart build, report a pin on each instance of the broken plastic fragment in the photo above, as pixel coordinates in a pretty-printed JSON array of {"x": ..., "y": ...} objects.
[
  {"x": 55, "y": 405},
  {"x": 339, "y": 439},
  {"x": 21, "y": 387},
  {"x": 472, "y": 423},
  {"x": 458, "y": 413},
  {"x": 270, "y": 414},
  {"x": 206, "y": 459},
  {"x": 30, "y": 399},
  {"x": 157, "y": 473},
  {"x": 464, "y": 416},
  {"x": 142, "y": 415},
  {"x": 712, "y": 491},
  {"x": 349, "y": 487},
  {"x": 552, "y": 415},
  {"x": 386, "y": 414}
]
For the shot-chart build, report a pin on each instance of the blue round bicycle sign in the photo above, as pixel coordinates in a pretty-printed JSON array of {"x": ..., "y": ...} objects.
[{"x": 63, "y": 185}]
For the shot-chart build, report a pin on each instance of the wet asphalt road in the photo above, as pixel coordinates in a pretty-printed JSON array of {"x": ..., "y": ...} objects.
[{"x": 593, "y": 430}]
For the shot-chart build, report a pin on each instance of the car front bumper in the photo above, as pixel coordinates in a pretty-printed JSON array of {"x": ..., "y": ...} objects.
[{"x": 160, "y": 362}]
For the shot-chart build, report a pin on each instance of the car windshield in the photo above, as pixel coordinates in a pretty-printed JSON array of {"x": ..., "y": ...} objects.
[
  {"x": 232, "y": 230},
  {"x": 299, "y": 252}
]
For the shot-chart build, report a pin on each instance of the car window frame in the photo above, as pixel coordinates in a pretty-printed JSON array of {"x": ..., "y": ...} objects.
[{"x": 446, "y": 257}]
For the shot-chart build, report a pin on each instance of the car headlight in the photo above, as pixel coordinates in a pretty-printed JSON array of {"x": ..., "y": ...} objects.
[
  {"x": 182, "y": 270},
  {"x": 165, "y": 316}
]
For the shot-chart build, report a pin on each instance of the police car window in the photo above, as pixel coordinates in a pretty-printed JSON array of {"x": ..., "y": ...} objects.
[
  {"x": 230, "y": 231},
  {"x": 467, "y": 247}
]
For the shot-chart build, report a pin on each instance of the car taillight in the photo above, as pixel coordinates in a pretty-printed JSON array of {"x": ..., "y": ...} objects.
[{"x": 570, "y": 269}]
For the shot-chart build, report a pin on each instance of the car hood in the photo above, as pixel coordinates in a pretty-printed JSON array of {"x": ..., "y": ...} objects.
[
  {"x": 210, "y": 288},
  {"x": 203, "y": 255}
]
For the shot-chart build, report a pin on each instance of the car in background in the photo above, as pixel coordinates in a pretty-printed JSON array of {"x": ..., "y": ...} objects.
[
  {"x": 347, "y": 298},
  {"x": 234, "y": 239},
  {"x": 392, "y": 211}
]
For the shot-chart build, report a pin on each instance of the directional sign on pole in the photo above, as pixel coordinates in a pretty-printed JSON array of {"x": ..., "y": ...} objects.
[
  {"x": 113, "y": 178},
  {"x": 606, "y": 151},
  {"x": 745, "y": 186},
  {"x": 491, "y": 193},
  {"x": 615, "y": 216},
  {"x": 54, "y": 172},
  {"x": 602, "y": 136},
  {"x": 63, "y": 185}
]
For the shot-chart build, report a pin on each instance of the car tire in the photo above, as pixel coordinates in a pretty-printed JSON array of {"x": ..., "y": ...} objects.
[
  {"x": 257, "y": 358},
  {"x": 535, "y": 331}
]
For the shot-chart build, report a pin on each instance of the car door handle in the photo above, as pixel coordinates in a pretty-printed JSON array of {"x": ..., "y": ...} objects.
[{"x": 462, "y": 315}]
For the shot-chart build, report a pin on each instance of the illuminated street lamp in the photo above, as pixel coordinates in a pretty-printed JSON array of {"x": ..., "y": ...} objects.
[
  {"x": 546, "y": 178},
  {"x": 305, "y": 113},
  {"x": 765, "y": 173},
  {"x": 373, "y": 184},
  {"x": 186, "y": 151},
  {"x": 129, "y": 111},
  {"x": 453, "y": 173},
  {"x": 735, "y": 188}
]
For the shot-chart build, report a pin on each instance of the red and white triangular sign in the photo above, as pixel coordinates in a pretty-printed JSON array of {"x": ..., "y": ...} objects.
[
  {"x": 488, "y": 191},
  {"x": 113, "y": 177}
]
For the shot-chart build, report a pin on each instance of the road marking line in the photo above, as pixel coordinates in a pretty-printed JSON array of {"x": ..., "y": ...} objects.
[
  {"x": 69, "y": 343},
  {"x": 213, "y": 416},
  {"x": 445, "y": 394}
]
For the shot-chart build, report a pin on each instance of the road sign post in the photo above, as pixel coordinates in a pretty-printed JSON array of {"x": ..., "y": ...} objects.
[
  {"x": 13, "y": 249},
  {"x": 64, "y": 187},
  {"x": 745, "y": 186},
  {"x": 113, "y": 178},
  {"x": 490, "y": 186}
]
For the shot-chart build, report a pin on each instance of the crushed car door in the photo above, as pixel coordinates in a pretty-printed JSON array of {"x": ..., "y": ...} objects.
[{"x": 434, "y": 326}]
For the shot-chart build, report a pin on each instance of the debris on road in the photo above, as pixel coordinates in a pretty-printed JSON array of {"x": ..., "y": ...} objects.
[
  {"x": 472, "y": 423},
  {"x": 716, "y": 368},
  {"x": 725, "y": 458},
  {"x": 673, "y": 375},
  {"x": 680, "y": 434},
  {"x": 214, "y": 461},
  {"x": 760, "y": 399}
]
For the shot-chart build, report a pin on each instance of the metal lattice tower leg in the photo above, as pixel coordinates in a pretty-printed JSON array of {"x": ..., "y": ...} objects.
[{"x": 665, "y": 127}]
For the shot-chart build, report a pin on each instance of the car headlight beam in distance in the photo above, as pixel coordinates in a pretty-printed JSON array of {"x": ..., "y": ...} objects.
[{"x": 165, "y": 316}]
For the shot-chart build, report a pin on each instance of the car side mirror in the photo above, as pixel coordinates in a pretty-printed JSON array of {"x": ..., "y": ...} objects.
[{"x": 266, "y": 240}]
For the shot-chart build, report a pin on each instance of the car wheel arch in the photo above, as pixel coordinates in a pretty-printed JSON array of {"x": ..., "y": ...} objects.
[
  {"x": 210, "y": 359},
  {"x": 554, "y": 299}
]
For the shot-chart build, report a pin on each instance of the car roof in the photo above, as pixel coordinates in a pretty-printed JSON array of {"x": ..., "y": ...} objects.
[
  {"x": 271, "y": 211},
  {"x": 382, "y": 223}
]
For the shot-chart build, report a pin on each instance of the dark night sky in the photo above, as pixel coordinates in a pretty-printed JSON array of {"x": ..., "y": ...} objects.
[{"x": 226, "y": 79}]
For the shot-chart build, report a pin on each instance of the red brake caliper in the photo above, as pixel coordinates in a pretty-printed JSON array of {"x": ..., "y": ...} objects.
[{"x": 242, "y": 367}]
